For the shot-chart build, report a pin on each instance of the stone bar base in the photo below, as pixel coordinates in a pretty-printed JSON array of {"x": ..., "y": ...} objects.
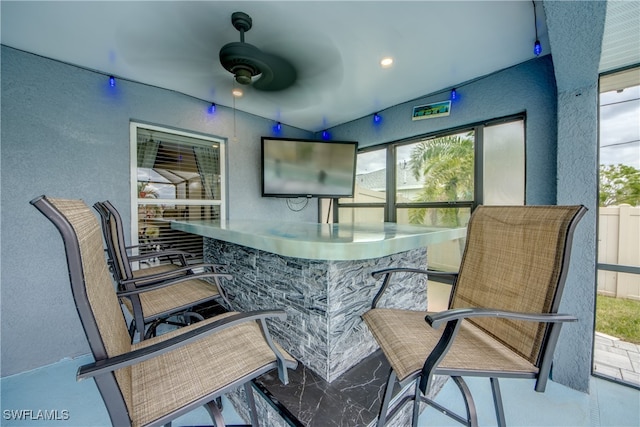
[{"x": 323, "y": 299}]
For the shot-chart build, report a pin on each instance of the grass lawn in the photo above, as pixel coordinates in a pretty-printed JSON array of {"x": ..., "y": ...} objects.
[{"x": 619, "y": 318}]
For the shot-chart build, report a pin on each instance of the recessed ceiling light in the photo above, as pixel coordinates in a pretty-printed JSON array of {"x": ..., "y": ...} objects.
[
  {"x": 237, "y": 92},
  {"x": 386, "y": 62}
]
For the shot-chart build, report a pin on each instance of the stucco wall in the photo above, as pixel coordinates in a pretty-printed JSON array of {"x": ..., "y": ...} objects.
[
  {"x": 65, "y": 133},
  {"x": 575, "y": 33}
]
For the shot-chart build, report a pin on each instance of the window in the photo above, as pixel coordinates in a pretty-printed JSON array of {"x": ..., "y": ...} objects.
[
  {"x": 177, "y": 175},
  {"x": 503, "y": 164},
  {"x": 437, "y": 180},
  {"x": 369, "y": 198}
]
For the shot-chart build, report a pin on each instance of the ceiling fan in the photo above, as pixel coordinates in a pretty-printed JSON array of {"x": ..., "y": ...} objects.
[{"x": 246, "y": 61}]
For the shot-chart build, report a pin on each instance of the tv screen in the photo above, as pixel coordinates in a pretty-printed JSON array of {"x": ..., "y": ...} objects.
[{"x": 308, "y": 168}]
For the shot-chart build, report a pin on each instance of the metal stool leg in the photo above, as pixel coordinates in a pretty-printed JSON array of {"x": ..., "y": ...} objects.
[
  {"x": 472, "y": 414},
  {"x": 214, "y": 412},
  {"x": 497, "y": 401},
  {"x": 384, "y": 408},
  {"x": 252, "y": 404}
]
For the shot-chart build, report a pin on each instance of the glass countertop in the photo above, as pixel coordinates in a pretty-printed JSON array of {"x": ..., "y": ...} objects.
[{"x": 353, "y": 241}]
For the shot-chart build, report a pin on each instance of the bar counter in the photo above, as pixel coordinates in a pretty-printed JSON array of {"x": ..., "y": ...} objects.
[{"x": 320, "y": 274}]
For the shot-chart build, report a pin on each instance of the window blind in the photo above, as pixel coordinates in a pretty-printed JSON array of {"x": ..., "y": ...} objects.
[{"x": 178, "y": 178}]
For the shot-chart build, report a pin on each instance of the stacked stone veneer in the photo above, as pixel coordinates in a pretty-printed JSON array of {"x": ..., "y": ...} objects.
[{"x": 323, "y": 299}]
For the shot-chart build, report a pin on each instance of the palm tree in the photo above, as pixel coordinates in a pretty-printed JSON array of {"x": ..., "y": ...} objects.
[{"x": 445, "y": 166}]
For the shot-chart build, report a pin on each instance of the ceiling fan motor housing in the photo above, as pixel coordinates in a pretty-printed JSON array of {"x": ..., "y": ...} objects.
[
  {"x": 237, "y": 58},
  {"x": 246, "y": 61}
]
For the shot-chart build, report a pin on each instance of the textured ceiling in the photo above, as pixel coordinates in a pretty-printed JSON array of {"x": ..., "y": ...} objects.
[{"x": 336, "y": 47}]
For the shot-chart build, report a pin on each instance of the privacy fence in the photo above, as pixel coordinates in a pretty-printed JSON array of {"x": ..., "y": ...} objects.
[{"x": 619, "y": 244}]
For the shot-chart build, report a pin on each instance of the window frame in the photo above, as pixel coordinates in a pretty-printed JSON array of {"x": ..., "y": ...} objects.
[
  {"x": 391, "y": 206},
  {"x": 133, "y": 168}
]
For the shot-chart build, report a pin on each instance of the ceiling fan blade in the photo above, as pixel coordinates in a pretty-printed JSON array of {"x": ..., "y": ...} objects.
[{"x": 277, "y": 73}]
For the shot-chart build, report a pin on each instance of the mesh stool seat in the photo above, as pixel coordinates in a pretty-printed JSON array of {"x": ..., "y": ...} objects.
[
  {"x": 166, "y": 301},
  {"x": 170, "y": 289},
  {"x": 502, "y": 320},
  {"x": 177, "y": 378},
  {"x": 472, "y": 350},
  {"x": 156, "y": 380}
]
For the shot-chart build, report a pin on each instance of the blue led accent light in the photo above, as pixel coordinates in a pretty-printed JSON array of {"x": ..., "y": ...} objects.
[
  {"x": 377, "y": 118},
  {"x": 112, "y": 81},
  {"x": 454, "y": 94},
  {"x": 279, "y": 126},
  {"x": 537, "y": 48},
  {"x": 212, "y": 108},
  {"x": 326, "y": 135}
]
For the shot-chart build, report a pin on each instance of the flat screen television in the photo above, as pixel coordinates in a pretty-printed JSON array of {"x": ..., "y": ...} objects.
[{"x": 308, "y": 168}]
